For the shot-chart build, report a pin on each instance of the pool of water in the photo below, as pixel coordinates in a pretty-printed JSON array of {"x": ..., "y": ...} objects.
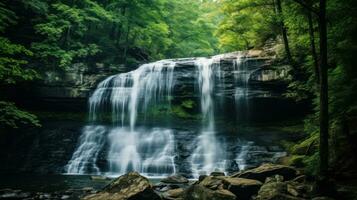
[
  {"x": 53, "y": 183},
  {"x": 49, "y": 183}
]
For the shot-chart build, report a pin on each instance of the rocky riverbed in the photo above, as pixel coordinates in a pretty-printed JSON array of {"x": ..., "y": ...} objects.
[{"x": 266, "y": 182}]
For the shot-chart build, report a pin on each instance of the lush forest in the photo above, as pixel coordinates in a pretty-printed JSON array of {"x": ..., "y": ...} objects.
[{"x": 317, "y": 38}]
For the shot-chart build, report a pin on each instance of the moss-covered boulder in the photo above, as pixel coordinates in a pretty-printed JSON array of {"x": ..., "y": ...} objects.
[
  {"x": 200, "y": 192},
  {"x": 174, "y": 194},
  {"x": 243, "y": 188},
  {"x": 266, "y": 170},
  {"x": 175, "y": 179},
  {"x": 131, "y": 186}
]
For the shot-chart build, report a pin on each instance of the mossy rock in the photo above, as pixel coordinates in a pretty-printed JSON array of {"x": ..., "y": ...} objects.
[
  {"x": 297, "y": 161},
  {"x": 307, "y": 147}
]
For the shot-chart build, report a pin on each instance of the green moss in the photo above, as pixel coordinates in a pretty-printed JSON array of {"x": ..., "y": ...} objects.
[
  {"x": 311, "y": 164},
  {"x": 180, "y": 112},
  {"x": 182, "y": 109},
  {"x": 297, "y": 161},
  {"x": 188, "y": 104},
  {"x": 306, "y": 147}
]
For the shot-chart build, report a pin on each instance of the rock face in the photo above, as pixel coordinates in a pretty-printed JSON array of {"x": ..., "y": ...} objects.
[
  {"x": 267, "y": 170},
  {"x": 76, "y": 84},
  {"x": 131, "y": 186}
]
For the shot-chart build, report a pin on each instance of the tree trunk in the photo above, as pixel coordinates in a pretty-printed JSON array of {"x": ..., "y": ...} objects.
[
  {"x": 324, "y": 117},
  {"x": 284, "y": 32},
  {"x": 313, "y": 47}
]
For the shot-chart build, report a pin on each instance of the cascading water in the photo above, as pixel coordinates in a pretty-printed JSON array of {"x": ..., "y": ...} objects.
[
  {"x": 123, "y": 95},
  {"x": 153, "y": 151},
  {"x": 207, "y": 157},
  {"x": 84, "y": 158}
]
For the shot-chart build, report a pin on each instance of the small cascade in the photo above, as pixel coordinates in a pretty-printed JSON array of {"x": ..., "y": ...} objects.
[
  {"x": 241, "y": 77},
  {"x": 123, "y": 95},
  {"x": 207, "y": 155},
  {"x": 84, "y": 158},
  {"x": 242, "y": 156}
]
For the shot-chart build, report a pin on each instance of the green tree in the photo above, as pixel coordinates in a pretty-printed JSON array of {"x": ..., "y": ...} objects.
[{"x": 13, "y": 69}]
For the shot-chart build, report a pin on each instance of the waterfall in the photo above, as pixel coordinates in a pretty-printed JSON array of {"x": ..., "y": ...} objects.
[
  {"x": 123, "y": 95},
  {"x": 127, "y": 145}
]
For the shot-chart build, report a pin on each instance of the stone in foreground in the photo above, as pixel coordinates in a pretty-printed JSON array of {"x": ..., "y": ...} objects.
[
  {"x": 131, "y": 186},
  {"x": 175, "y": 179},
  {"x": 174, "y": 194},
  {"x": 274, "y": 189},
  {"x": 199, "y": 192},
  {"x": 243, "y": 188},
  {"x": 267, "y": 170}
]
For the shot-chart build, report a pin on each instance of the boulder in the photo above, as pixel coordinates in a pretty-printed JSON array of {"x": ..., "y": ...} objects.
[
  {"x": 212, "y": 182},
  {"x": 131, "y": 186},
  {"x": 274, "y": 189},
  {"x": 175, "y": 179},
  {"x": 199, "y": 192},
  {"x": 322, "y": 198},
  {"x": 243, "y": 188},
  {"x": 217, "y": 174},
  {"x": 173, "y": 194},
  {"x": 266, "y": 170},
  {"x": 163, "y": 187}
]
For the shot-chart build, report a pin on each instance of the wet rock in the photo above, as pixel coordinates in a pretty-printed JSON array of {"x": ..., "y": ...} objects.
[
  {"x": 275, "y": 188},
  {"x": 212, "y": 182},
  {"x": 13, "y": 194},
  {"x": 276, "y": 178},
  {"x": 199, "y": 192},
  {"x": 99, "y": 178},
  {"x": 175, "y": 179},
  {"x": 173, "y": 194},
  {"x": 131, "y": 186},
  {"x": 266, "y": 170},
  {"x": 322, "y": 198},
  {"x": 232, "y": 166},
  {"x": 87, "y": 189},
  {"x": 162, "y": 187},
  {"x": 201, "y": 178},
  {"x": 65, "y": 197},
  {"x": 217, "y": 174},
  {"x": 243, "y": 188}
]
